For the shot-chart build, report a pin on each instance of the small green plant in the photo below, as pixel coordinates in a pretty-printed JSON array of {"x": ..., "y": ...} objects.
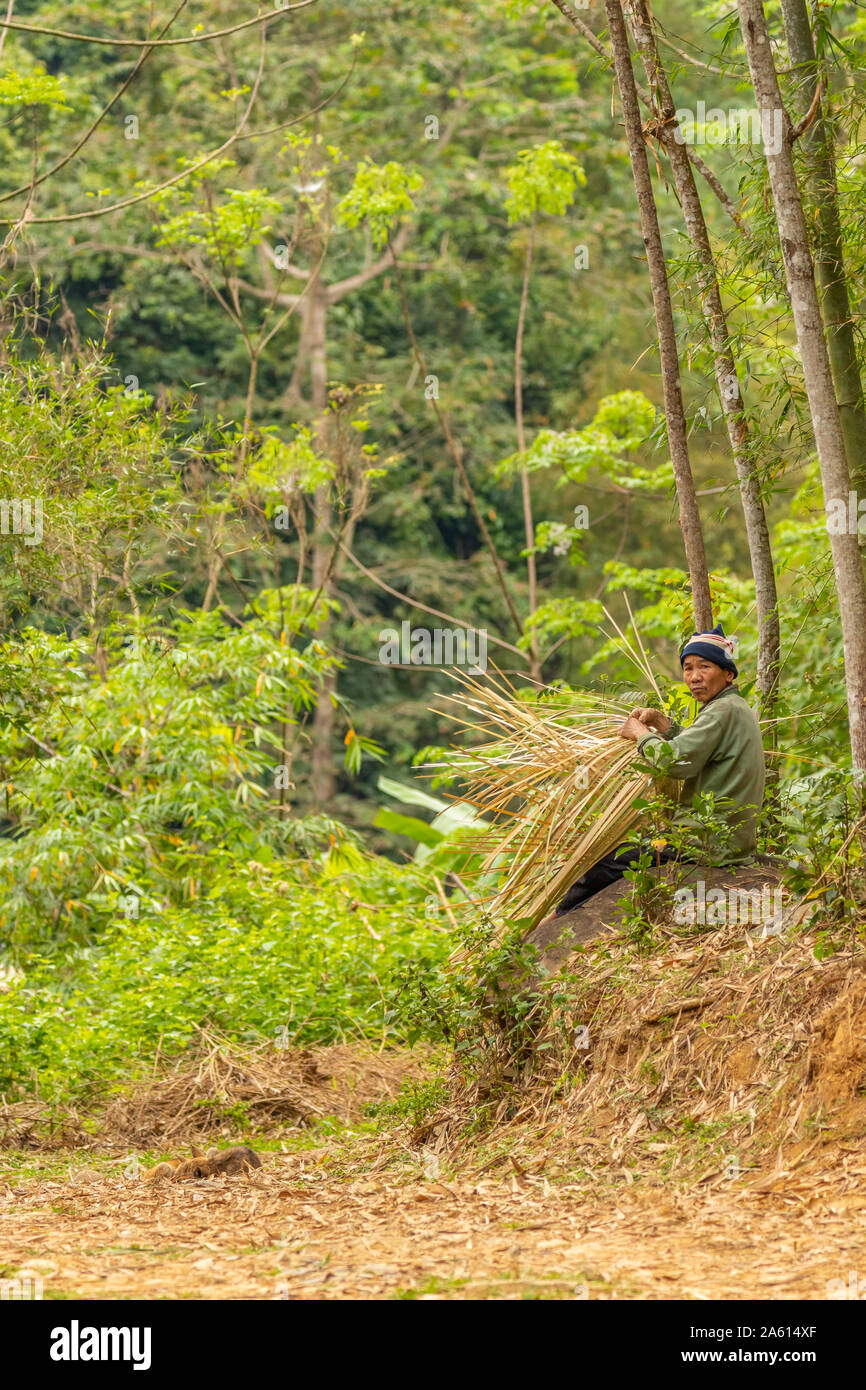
[
  {"x": 650, "y": 899},
  {"x": 819, "y": 816},
  {"x": 490, "y": 1006},
  {"x": 417, "y": 1100}
]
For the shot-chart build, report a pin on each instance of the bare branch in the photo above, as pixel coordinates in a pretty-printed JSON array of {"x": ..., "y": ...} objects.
[
  {"x": 162, "y": 43},
  {"x": 811, "y": 115},
  {"x": 278, "y": 297},
  {"x": 337, "y": 291}
]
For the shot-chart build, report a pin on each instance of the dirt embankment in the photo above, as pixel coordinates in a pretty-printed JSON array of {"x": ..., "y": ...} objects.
[{"x": 725, "y": 1057}]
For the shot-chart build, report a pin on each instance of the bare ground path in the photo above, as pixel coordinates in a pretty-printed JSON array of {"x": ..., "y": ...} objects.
[
  {"x": 293, "y": 1231},
  {"x": 616, "y": 1187}
]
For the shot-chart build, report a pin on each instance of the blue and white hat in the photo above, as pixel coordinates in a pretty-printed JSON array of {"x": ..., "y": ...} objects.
[{"x": 712, "y": 646}]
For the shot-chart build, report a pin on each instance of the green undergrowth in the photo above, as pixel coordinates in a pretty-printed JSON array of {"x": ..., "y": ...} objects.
[{"x": 294, "y": 968}]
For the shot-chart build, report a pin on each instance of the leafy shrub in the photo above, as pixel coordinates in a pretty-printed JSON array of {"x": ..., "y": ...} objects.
[{"x": 263, "y": 959}]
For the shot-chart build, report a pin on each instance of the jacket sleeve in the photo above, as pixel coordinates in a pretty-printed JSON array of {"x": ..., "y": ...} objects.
[{"x": 683, "y": 754}]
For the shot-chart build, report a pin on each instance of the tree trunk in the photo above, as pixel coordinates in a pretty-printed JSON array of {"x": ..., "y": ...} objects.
[
  {"x": 529, "y": 528},
  {"x": 817, "y": 376},
  {"x": 727, "y": 380},
  {"x": 821, "y": 186},
  {"x": 690, "y": 518},
  {"x": 293, "y": 395},
  {"x": 324, "y": 779}
]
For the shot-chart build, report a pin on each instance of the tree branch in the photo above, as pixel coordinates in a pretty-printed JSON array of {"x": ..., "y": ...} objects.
[
  {"x": 162, "y": 43},
  {"x": 811, "y": 115},
  {"x": 344, "y": 287},
  {"x": 67, "y": 158},
  {"x": 335, "y": 292},
  {"x": 424, "y": 607}
]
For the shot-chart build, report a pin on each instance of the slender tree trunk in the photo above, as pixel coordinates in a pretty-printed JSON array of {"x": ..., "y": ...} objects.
[
  {"x": 250, "y": 400},
  {"x": 293, "y": 396},
  {"x": 727, "y": 380},
  {"x": 821, "y": 186},
  {"x": 690, "y": 518},
  {"x": 323, "y": 775},
  {"x": 817, "y": 376},
  {"x": 534, "y": 664}
]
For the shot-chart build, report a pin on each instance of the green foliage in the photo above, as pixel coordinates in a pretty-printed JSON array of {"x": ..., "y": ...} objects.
[
  {"x": 410, "y": 826},
  {"x": 564, "y": 617},
  {"x": 356, "y": 746},
  {"x": 36, "y": 88},
  {"x": 140, "y": 776},
  {"x": 490, "y": 1008},
  {"x": 276, "y": 949},
  {"x": 622, "y": 425},
  {"x": 543, "y": 180},
  {"x": 139, "y": 736},
  {"x": 225, "y": 230},
  {"x": 111, "y": 483},
  {"x": 650, "y": 900},
  {"x": 280, "y": 468},
  {"x": 380, "y": 194},
  {"x": 416, "y": 1101},
  {"x": 819, "y": 816}
]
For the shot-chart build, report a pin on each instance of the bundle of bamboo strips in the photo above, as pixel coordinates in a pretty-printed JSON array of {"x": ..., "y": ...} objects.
[{"x": 555, "y": 779}]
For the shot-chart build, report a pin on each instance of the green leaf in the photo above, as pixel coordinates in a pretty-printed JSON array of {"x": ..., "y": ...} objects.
[
  {"x": 408, "y": 825},
  {"x": 410, "y": 796}
]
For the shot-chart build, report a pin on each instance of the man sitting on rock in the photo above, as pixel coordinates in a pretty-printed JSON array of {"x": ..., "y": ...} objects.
[{"x": 720, "y": 752}]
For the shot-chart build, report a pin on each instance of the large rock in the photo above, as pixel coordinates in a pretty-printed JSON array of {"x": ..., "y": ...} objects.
[{"x": 557, "y": 937}]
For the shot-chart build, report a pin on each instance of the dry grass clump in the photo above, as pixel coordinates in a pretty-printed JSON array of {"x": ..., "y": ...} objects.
[
  {"x": 220, "y": 1089},
  {"x": 33, "y": 1124},
  {"x": 225, "y": 1087}
]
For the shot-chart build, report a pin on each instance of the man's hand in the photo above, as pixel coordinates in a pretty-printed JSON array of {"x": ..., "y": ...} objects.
[
  {"x": 634, "y": 729},
  {"x": 653, "y": 718}
]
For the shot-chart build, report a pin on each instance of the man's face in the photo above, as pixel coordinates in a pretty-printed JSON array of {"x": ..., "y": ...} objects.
[{"x": 704, "y": 678}]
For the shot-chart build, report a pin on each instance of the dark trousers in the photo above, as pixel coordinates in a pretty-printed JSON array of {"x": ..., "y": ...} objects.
[{"x": 607, "y": 871}]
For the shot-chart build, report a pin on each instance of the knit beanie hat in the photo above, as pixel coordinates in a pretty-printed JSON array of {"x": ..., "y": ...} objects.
[{"x": 712, "y": 646}]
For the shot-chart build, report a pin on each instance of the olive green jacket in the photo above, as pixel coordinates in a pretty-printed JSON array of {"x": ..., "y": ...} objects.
[{"x": 720, "y": 752}]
